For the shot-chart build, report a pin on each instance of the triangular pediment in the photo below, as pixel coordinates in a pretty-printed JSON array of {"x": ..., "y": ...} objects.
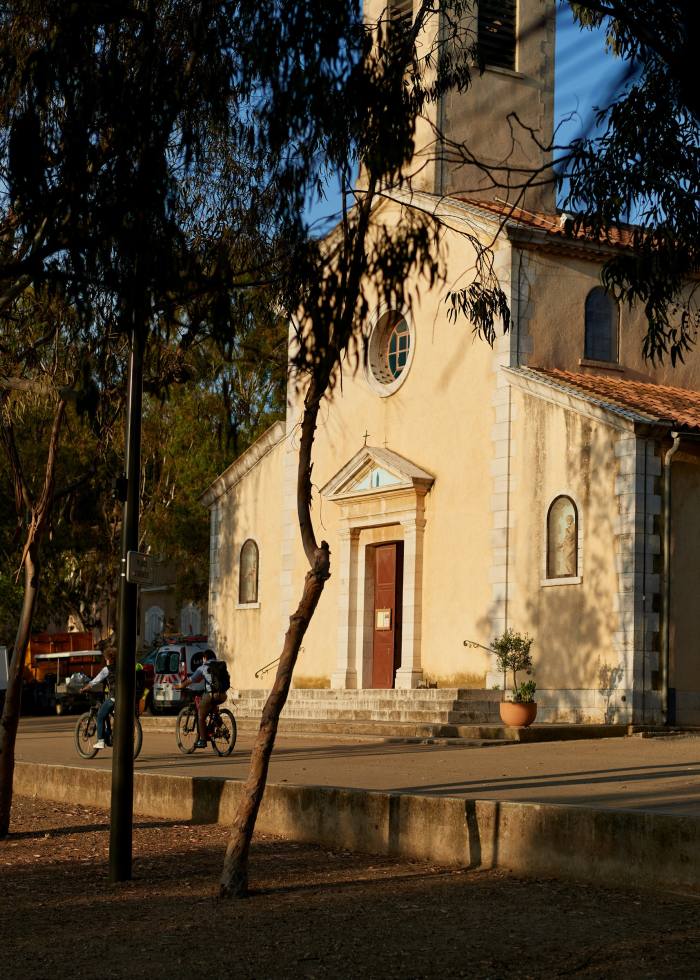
[{"x": 372, "y": 471}]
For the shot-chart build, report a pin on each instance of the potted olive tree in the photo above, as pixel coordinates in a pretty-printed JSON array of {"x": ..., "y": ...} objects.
[{"x": 512, "y": 651}]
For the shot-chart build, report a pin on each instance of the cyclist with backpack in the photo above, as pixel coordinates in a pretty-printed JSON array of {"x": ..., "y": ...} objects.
[{"x": 216, "y": 679}]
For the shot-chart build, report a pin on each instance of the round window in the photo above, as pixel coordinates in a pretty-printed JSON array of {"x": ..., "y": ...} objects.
[{"x": 390, "y": 352}]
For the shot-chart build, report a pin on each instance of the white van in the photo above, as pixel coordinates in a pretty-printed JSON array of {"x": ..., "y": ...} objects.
[{"x": 173, "y": 663}]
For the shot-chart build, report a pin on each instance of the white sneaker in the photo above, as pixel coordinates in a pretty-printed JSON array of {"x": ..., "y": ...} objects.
[{"x": 99, "y": 744}]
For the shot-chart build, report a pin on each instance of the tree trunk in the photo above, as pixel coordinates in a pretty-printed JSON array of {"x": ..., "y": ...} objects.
[
  {"x": 13, "y": 697},
  {"x": 234, "y": 878},
  {"x": 39, "y": 513}
]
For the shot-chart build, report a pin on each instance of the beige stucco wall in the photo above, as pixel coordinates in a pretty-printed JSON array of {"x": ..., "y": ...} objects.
[
  {"x": 561, "y": 452},
  {"x": 556, "y": 286},
  {"x": 440, "y": 419},
  {"x": 248, "y": 637}
]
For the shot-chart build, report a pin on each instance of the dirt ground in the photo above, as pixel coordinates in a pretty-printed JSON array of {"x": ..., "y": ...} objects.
[{"x": 313, "y": 913}]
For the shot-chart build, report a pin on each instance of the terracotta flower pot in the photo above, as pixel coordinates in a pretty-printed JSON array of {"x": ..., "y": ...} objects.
[{"x": 518, "y": 714}]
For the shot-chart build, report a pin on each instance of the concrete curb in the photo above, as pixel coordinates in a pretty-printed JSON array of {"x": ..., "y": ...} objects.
[
  {"x": 413, "y": 733},
  {"x": 610, "y": 847}
]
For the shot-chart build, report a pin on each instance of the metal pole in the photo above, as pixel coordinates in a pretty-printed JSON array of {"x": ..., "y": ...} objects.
[
  {"x": 123, "y": 756},
  {"x": 666, "y": 607}
]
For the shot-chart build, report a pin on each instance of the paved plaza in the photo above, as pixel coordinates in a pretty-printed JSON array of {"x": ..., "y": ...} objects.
[{"x": 661, "y": 775}]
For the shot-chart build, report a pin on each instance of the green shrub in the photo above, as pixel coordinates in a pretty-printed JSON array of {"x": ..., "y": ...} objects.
[{"x": 512, "y": 651}]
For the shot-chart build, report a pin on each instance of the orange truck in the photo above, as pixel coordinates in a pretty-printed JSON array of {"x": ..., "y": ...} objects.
[{"x": 52, "y": 659}]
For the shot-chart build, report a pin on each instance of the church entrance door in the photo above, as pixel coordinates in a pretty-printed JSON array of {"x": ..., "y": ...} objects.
[{"x": 388, "y": 587}]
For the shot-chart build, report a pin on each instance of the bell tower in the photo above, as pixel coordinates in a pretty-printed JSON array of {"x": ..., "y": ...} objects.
[
  {"x": 492, "y": 141},
  {"x": 505, "y": 120}
]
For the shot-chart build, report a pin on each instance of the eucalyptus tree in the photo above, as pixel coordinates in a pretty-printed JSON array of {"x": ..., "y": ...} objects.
[
  {"x": 381, "y": 81},
  {"x": 48, "y": 382},
  {"x": 165, "y": 150},
  {"x": 366, "y": 96},
  {"x": 122, "y": 190},
  {"x": 642, "y": 165}
]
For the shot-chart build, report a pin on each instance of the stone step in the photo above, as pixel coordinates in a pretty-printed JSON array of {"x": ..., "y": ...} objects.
[
  {"x": 372, "y": 714},
  {"x": 381, "y": 694},
  {"x": 364, "y": 704},
  {"x": 413, "y": 732}
]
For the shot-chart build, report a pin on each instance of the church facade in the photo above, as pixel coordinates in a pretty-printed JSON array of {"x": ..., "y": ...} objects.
[{"x": 550, "y": 484}]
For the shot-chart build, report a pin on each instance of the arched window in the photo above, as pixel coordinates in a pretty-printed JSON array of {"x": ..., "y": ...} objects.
[
  {"x": 601, "y": 326},
  {"x": 153, "y": 624},
  {"x": 248, "y": 581},
  {"x": 190, "y": 620},
  {"x": 562, "y": 539}
]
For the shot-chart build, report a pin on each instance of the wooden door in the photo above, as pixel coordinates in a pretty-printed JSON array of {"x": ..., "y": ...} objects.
[{"x": 388, "y": 582}]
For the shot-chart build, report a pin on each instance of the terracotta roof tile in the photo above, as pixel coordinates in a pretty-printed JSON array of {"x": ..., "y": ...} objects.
[
  {"x": 681, "y": 406},
  {"x": 551, "y": 223}
]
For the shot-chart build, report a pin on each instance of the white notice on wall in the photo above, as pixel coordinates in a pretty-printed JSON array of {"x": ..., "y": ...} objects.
[{"x": 383, "y": 619}]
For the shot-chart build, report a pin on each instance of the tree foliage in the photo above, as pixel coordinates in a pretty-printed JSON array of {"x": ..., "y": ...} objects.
[
  {"x": 642, "y": 165},
  {"x": 156, "y": 159}
]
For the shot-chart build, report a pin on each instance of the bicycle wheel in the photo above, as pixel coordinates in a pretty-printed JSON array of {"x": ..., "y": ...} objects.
[
  {"x": 138, "y": 737},
  {"x": 186, "y": 733},
  {"x": 86, "y": 735},
  {"x": 223, "y": 733}
]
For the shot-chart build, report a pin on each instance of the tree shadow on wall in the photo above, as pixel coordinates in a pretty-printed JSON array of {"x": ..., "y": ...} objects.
[{"x": 577, "y": 632}]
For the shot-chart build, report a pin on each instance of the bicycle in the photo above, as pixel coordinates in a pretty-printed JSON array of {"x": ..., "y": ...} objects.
[
  {"x": 86, "y": 732},
  {"x": 221, "y": 729}
]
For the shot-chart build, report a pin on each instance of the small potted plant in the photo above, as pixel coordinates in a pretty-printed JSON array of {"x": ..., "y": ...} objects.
[{"x": 512, "y": 651}]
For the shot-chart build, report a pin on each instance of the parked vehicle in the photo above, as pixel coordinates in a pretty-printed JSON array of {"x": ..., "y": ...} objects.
[
  {"x": 174, "y": 662},
  {"x": 52, "y": 659},
  {"x": 148, "y": 662},
  {"x": 66, "y": 674}
]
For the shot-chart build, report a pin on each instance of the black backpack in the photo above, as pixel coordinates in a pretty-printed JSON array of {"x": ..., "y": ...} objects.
[
  {"x": 109, "y": 685},
  {"x": 218, "y": 677}
]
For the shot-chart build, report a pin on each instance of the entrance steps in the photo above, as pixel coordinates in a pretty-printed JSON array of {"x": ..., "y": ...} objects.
[
  {"x": 433, "y": 706},
  {"x": 419, "y": 714}
]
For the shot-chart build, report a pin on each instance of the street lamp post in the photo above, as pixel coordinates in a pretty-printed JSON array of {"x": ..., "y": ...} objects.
[{"x": 120, "y": 839}]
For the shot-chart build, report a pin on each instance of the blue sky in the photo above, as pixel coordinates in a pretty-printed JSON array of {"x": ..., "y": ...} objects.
[{"x": 586, "y": 76}]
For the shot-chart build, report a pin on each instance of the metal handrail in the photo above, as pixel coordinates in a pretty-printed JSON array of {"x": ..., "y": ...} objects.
[
  {"x": 261, "y": 671},
  {"x": 473, "y": 644}
]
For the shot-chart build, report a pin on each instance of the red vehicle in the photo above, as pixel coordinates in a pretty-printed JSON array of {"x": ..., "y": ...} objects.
[{"x": 51, "y": 659}]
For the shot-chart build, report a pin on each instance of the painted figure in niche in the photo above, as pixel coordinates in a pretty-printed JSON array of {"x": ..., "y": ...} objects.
[
  {"x": 249, "y": 573},
  {"x": 568, "y": 547},
  {"x": 562, "y": 557}
]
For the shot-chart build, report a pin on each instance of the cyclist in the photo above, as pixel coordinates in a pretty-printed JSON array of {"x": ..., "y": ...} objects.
[
  {"x": 216, "y": 684},
  {"x": 108, "y": 675}
]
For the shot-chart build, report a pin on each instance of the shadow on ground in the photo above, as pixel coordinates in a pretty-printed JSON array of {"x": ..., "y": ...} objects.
[{"x": 311, "y": 913}]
